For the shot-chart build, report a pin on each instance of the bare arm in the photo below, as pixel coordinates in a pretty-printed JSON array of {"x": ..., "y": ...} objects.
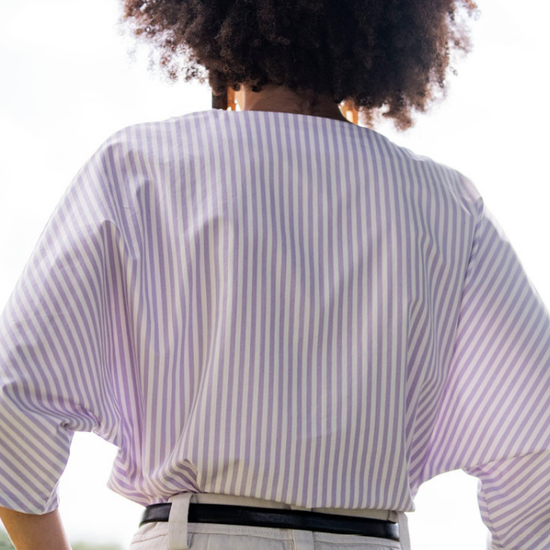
[{"x": 35, "y": 532}]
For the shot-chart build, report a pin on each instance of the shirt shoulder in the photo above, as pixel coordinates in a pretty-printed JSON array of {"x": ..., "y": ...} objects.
[
  {"x": 422, "y": 167},
  {"x": 159, "y": 142}
]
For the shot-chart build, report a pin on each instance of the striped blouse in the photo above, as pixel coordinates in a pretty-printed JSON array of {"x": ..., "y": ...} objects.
[{"x": 280, "y": 306}]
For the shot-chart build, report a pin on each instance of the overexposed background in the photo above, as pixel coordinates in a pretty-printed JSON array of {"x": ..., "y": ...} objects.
[{"x": 67, "y": 84}]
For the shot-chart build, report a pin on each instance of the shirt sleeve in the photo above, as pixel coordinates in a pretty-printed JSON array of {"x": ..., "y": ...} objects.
[
  {"x": 55, "y": 348},
  {"x": 514, "y": 501},
  {"x": 494, "y": 416}
]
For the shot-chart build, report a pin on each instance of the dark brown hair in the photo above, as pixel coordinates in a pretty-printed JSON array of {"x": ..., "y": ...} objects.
[{"x": 387, "y": 57}]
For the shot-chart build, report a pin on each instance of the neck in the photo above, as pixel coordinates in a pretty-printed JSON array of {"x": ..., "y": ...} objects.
[{"x": 286, "y": 100}]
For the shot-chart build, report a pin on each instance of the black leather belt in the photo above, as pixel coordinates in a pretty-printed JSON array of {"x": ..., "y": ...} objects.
[{"x": 278, "y": 517}]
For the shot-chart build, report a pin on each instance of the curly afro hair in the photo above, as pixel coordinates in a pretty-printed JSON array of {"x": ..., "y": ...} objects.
[{"x": 386, "y": 57}]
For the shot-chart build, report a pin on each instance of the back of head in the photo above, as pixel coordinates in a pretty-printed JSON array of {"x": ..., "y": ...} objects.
[{"x": 388, "y": 58}]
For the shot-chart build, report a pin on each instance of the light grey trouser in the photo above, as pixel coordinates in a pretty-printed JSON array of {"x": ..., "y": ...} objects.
[{"x": 179, "y": 534}]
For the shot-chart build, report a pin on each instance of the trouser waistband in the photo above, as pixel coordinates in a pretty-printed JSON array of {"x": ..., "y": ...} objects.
[{"x": 178, "y": 521}]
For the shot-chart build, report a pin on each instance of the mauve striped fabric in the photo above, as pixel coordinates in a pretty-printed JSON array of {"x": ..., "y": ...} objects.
[{"x": 280, "y": 306}]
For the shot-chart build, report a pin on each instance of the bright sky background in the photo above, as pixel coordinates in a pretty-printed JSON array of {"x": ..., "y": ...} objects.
[{"x": 67, "y": 84}]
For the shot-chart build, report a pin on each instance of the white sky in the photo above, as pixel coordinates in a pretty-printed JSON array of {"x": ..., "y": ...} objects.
[{"x": 67, "y": 84}]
